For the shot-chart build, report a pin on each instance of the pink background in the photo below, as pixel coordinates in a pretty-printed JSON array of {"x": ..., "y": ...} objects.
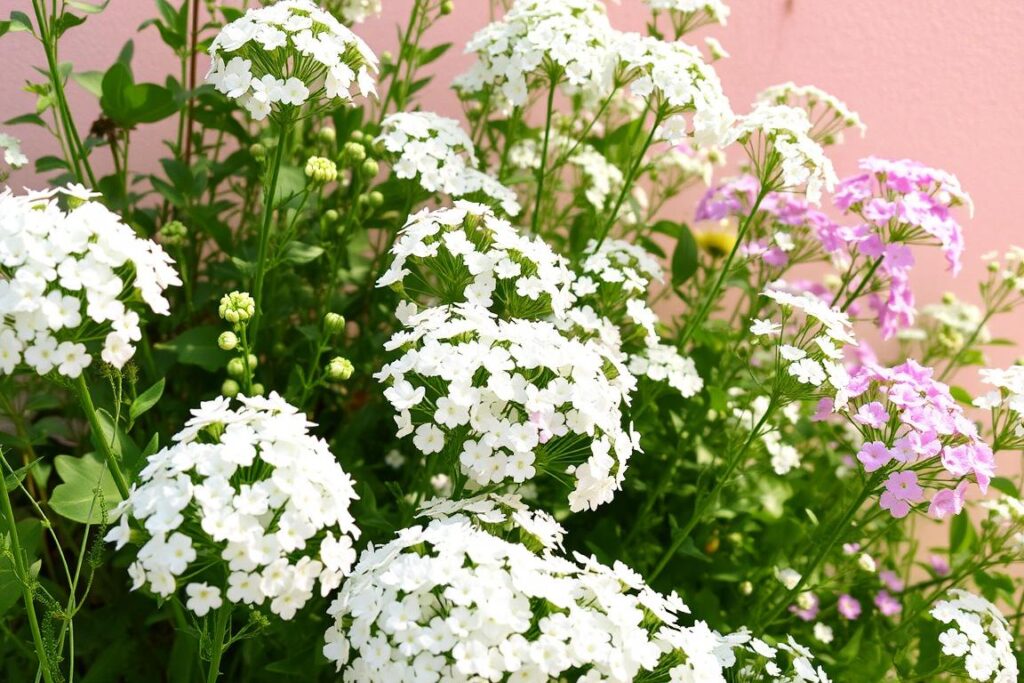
[{"x": 940, "y": 82}]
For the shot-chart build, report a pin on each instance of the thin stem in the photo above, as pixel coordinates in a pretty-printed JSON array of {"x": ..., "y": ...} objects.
[
  {"x": 85, "y": 398},
  {"x": 24, "y": 582},
  {"x": 709, "y": 300},
  {"x": 193, "y": 58},
  {"x": 220, "y": 624},
  {"x": 543, "y": 156},
  {"x": 268, "y": 215}
]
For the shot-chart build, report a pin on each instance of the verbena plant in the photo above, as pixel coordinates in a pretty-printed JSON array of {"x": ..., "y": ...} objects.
[{"x": 344, "y": 389}]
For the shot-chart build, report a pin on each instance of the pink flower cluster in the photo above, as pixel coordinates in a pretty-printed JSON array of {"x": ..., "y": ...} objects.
[{"x": 916, "y": 430}]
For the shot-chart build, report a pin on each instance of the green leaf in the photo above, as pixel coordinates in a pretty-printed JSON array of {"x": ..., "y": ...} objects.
[
  {"x": 30, "y": 534},
  {"x": 20, "y": 22},
  {"x": 128, "y": 103},
  {"x": 5, "y": 26},
  {"x": 1006, "y": 486},
  {"x": 684, "y": 257},
  {"x": 12, "y": 480},
  {"x": 88, "y": 7},
  {"x": 50, "y": 163},
  {"x": 962, "y": 536},
  {"x": 146, "y": 400},
  {"x": 291, "y": 180},
  {"x": 90, "y": 80},
  {"x": 300, "y": 252},
  {"x": 68, "y": 21},
  {"x": 86, "y": 481},
  {"x": 198, "y": 346},
  {"x": 961, "y": 395},
  {"x": 34, "y": 119}
]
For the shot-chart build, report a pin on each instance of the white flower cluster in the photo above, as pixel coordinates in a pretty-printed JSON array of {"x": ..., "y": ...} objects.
[
  {"x": 438, "y": 152},
  {"x": 662, "y": 363},
  {"x": 534, "y": 38},
  {"x": 829, "y": 114},
  {"x": 819, "y": 356},
  {"x": 356, "y": 11},
  {"x": 506, "y": 513},
  {"x": 786, "y": 132},
  {"x": 763, "y": 662},
  {"x": 449, "y": 601},
  {"x": 467, "y": 254},
  {"x": 981, "y": 633},
  {"x": 66, "y": 278},
  {"x": 286, "y": 54},
  {"x": 675, "y": 78},
  {"x": 247, "y": 499},
  {"x": 1008, "y": 393},
  {"x": 13, "y": 156},
  {"x": 714, "y": 10},
  {"x": 505, "y": 398},
  {"x": 600, "y": 179}
]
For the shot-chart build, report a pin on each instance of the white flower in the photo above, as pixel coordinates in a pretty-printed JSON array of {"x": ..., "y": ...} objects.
[
  {"x": 765, "y": 328},
  {"x": 357, "y": 11},
  {"x": 829, "y": 114},
  {"x": 698, "y": 12},
  {"x": 823, "y": 632},
  {"x": 13, "y": 155},
  {"x": 981, "y": 635},
  {"x": 202, "y": 598},
  {"x": 789, "y": 578}
]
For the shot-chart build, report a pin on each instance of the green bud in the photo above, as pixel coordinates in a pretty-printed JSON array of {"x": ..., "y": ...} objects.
[
  {"x": 237, "y": 307},
  {"x": 321, "y": 171},
  {"x": 327, "y": 135},
  {"x": 75, "y": 202},
  {"x": 331, "y": 216},
  {"x": 227, "y": 341},
  {"x": 370, "y": 168},
  {"x": 447, "y": 7},
  {"x": 236, "y": 367},
  {"x": 993, "y": 267},
  {"x": 746, "y": 588},
  {"x": 230, "y": 388},
  {"x": 258, "y": 151},
  {"x": 339, "y": 369},
  {"x": 376, "y": 199},
  {"x": 173, "y": 233},
  {"x": 258, "y": 389},
  {"x": 354, "y": 151},
  {"x": 386, "y": 57},
  {"x": 949, "y": 298},
  {"x": 363, "y": 201},
  {"x": 253, "y": 362},
  {"x": 334, "y": 323},
  {"x": 357, "y": 136}
]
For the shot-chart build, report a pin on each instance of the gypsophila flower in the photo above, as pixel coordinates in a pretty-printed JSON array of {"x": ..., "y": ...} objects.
[
  {"x": 354, "y": 11},
  {"x": 980, "y": 634},
  {"x": 287, "y": 54},
  {"x": 829, "y": 114},
  {"x": 70, "y": 278},
  {"x": 450, "y": 601},
  {"x": 439, "y": 154},
  {"x": 786, "y": 157},
  {"x": 13, "y": 156},
  {"x": 250, "y": 501},
  {"x": 507, "y": 399},
  {"x": 484, "y": 261}
]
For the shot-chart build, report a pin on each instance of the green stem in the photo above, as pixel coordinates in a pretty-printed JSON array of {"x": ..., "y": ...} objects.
[
  {"x": 543, "y": 156},
  {"x": 709, "y": 300},
  {"x": 268, "y": 215},
  {"x": 85, "y": 398},
  {"x": 220, "y": 624},
  {"x": 24, "y": 582}
]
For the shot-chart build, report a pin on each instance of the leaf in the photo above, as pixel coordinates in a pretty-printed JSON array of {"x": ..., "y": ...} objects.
[
  {"x": 30, "y": 534},
  {"x": 50, "y": 163},
  {"x": 128, "y": 103},
  {"x": 76, "y": 499},
  {"x": 299, "y": 252},
  {"x": 20, "y": 22},
  {"x": 962, "y": 536},
  {"x": 1004, "y": 485},
  {"x": 291, "y": 180},
  {"x": 68, "y": 21},
  {"x": 684, "y": 257},
  {"x": 88, "y": 7},
  {"x": 90, "y": 80},
  {"x": 12, "y": 480},
  {"x": 146, "y": 400},
  {"x": 961, "y": 395},
  {"x": 34, "y": 119},
  {"x": 198, "y": 346}
]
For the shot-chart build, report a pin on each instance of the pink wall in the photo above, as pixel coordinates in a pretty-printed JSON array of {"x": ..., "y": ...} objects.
[{"x": 942, "y": 82}]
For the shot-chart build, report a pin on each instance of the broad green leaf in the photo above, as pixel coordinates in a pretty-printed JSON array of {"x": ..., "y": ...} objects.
[
  {"x": 129, "y": 103},
  {"x": 90, "y": 80},
  {"x": 300, "y": 252},
  {"x": 198, "y": 346},
  {"x": 291, "y": 180},
  {"x": 33, "y": 119},
  {"x": 1005, "y": 485},
  {"x": 684, "y": 257},
  {"x": 77, "y": 498},
  {"x": 88, "y": 7},
  {"x": 146, "y": 400},
  {"x": 961, "y": 395},
  {"x": 20, "y": 22}
]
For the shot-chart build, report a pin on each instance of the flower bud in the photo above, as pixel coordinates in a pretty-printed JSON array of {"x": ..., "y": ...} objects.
[
  {"x": 354, "y": 151},
  {"x": 230, "y": 388},
  {"x": 173, "y": 233},
  {"x": 236, "y": 367},
  {"x": 258, "y": 390},
  {"x": 370, "y": 168},
  {"x": 866, "y": 562},
  {"x": 376, "y": 199},
  {"x": 327, "y": 135},
  {"x": 746, "y": 588},
  {"x": 227, "y": 341},
  {"x": 447, "y": 7},
  {"x": 334, "y": 323},
  {"x": 237, "y": 307},
  {"x": 321, "y": 171},
  {"x": 339, "y": 369},
  {"x": 331, "y": 216},
  {"x": 357, "y": 136},
  {"x": 258, "y": 151}
]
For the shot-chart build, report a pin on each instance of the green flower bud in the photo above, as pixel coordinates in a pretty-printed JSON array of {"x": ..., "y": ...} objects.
[
  {"x": 339, "y": 369},
  {"x": 334, "y": 323},
  {"x": 173, "y": 233},
  {"x": 327, "y": 135},
  {"x": 227, "y": 341},
  {"x": 230, "y": 388},
  {"x": 363, "y": 201},
  {"x": 321, "y": 171},
  {"x": 376, "y": 199},
  {"x": 331, "y": 216},
  {"x": 370, "y": 168},
  {"x": 354, "y": 151},
  {"x": 258, "y": 389},
  {"x": 236, "y": 367},
  {"x": 447, "y": 7},
  {"x": 746, "y": 588},
  {"x": 258, "y": 151},
  {"x": 237, "y": 307},
  {"x": 357, "y": 136}
]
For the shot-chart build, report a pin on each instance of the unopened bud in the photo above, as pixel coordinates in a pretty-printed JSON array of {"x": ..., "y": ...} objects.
[
  {"x": 230, "y": 388},
  {"x": 258, "y": 151},
  {"x": 258, "y": 390},
  {"x": 370, "y": 168},
  {"x": 354, "y": 151},
  {"x": 331, "y": 216},
  {"x": 173, "y": 233},
  {"x": 339, "y": 369},
  {"x": 376, "y": 199},
  {"x": 447, "y": 7},
  {"x": 334, "y": 323},
  {"x": 227, "y": 341},
  {"x": 237, "y": 307},
  {"x": 321, "y": 171},
  {"x": 327, "y": 134}
]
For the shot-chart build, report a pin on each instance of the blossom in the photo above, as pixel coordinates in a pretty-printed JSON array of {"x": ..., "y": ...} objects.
[
  {"x": 599, "y": 179},
  {"x": 980, "y": 634},
  {"x": 887, "y": 605},
  {"x": 694, "y": 12},
  {"x": 248, "y": 491},
  {"x": 277, "y": 56},
  {"x": 68, "y": 277},
  {"x": 13, "y": 156},
  {"x": 358, "y": 11},
  {"x": 829, "y": 114},
  {"x": 849, "y": 607}
]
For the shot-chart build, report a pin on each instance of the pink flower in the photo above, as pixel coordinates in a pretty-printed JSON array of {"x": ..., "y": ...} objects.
[
  {"x": 904, "y": 486},
  {"x": 826, "y": 407},
  {"x": 897, "y": 507},
  {"x": 948, "y": 502},
  {"x": 939, "y": 565},
  {"x": 892, "y": 580},
  {"x": 873, "y": 415},
  {"x": 851, "y": 548},
  {"x": 806, "y": 614},
  {"x": 874, "y": 455},
  {"x": 849, "y": 607},
  {"x": 887, "y": 604}
]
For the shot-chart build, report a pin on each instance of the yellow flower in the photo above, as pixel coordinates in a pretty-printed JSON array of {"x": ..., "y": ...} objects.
[{"x": 717, "y": 243}]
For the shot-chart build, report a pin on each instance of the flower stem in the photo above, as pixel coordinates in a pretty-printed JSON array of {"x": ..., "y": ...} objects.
[
  {"x": 543, "y": 156},
  {"x": 220, "y": 626},
  {"x": 268, "y": 216},
  {"x": 85, "y": 398},
  {"x": 23, "y": 580}
]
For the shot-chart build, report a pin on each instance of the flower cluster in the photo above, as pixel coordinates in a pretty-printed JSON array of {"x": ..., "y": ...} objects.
[
  {"x": 980, "y": 634},
  {"x": 829, "y": 115},
  {"x": 600, "y": 179},
  {"x": 785, "y": 155},
  {"x": 536, "y": 40},
  {"x": 1006, "y": 401},
  {"x": 438, "y": 152},
  {"x": 68, "y": 278},
  {"x": 708, "y": 11},
  {"x": 467, "y": 254},
  {"x": 674, "y": 78},
  {"x": 287, "y": 54},
  {"x": 506, "y": 398},
  {"x": 915, "y": 431},
  {"x": 247, "y": 499},
  {"x": 451, "y": 601}
]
